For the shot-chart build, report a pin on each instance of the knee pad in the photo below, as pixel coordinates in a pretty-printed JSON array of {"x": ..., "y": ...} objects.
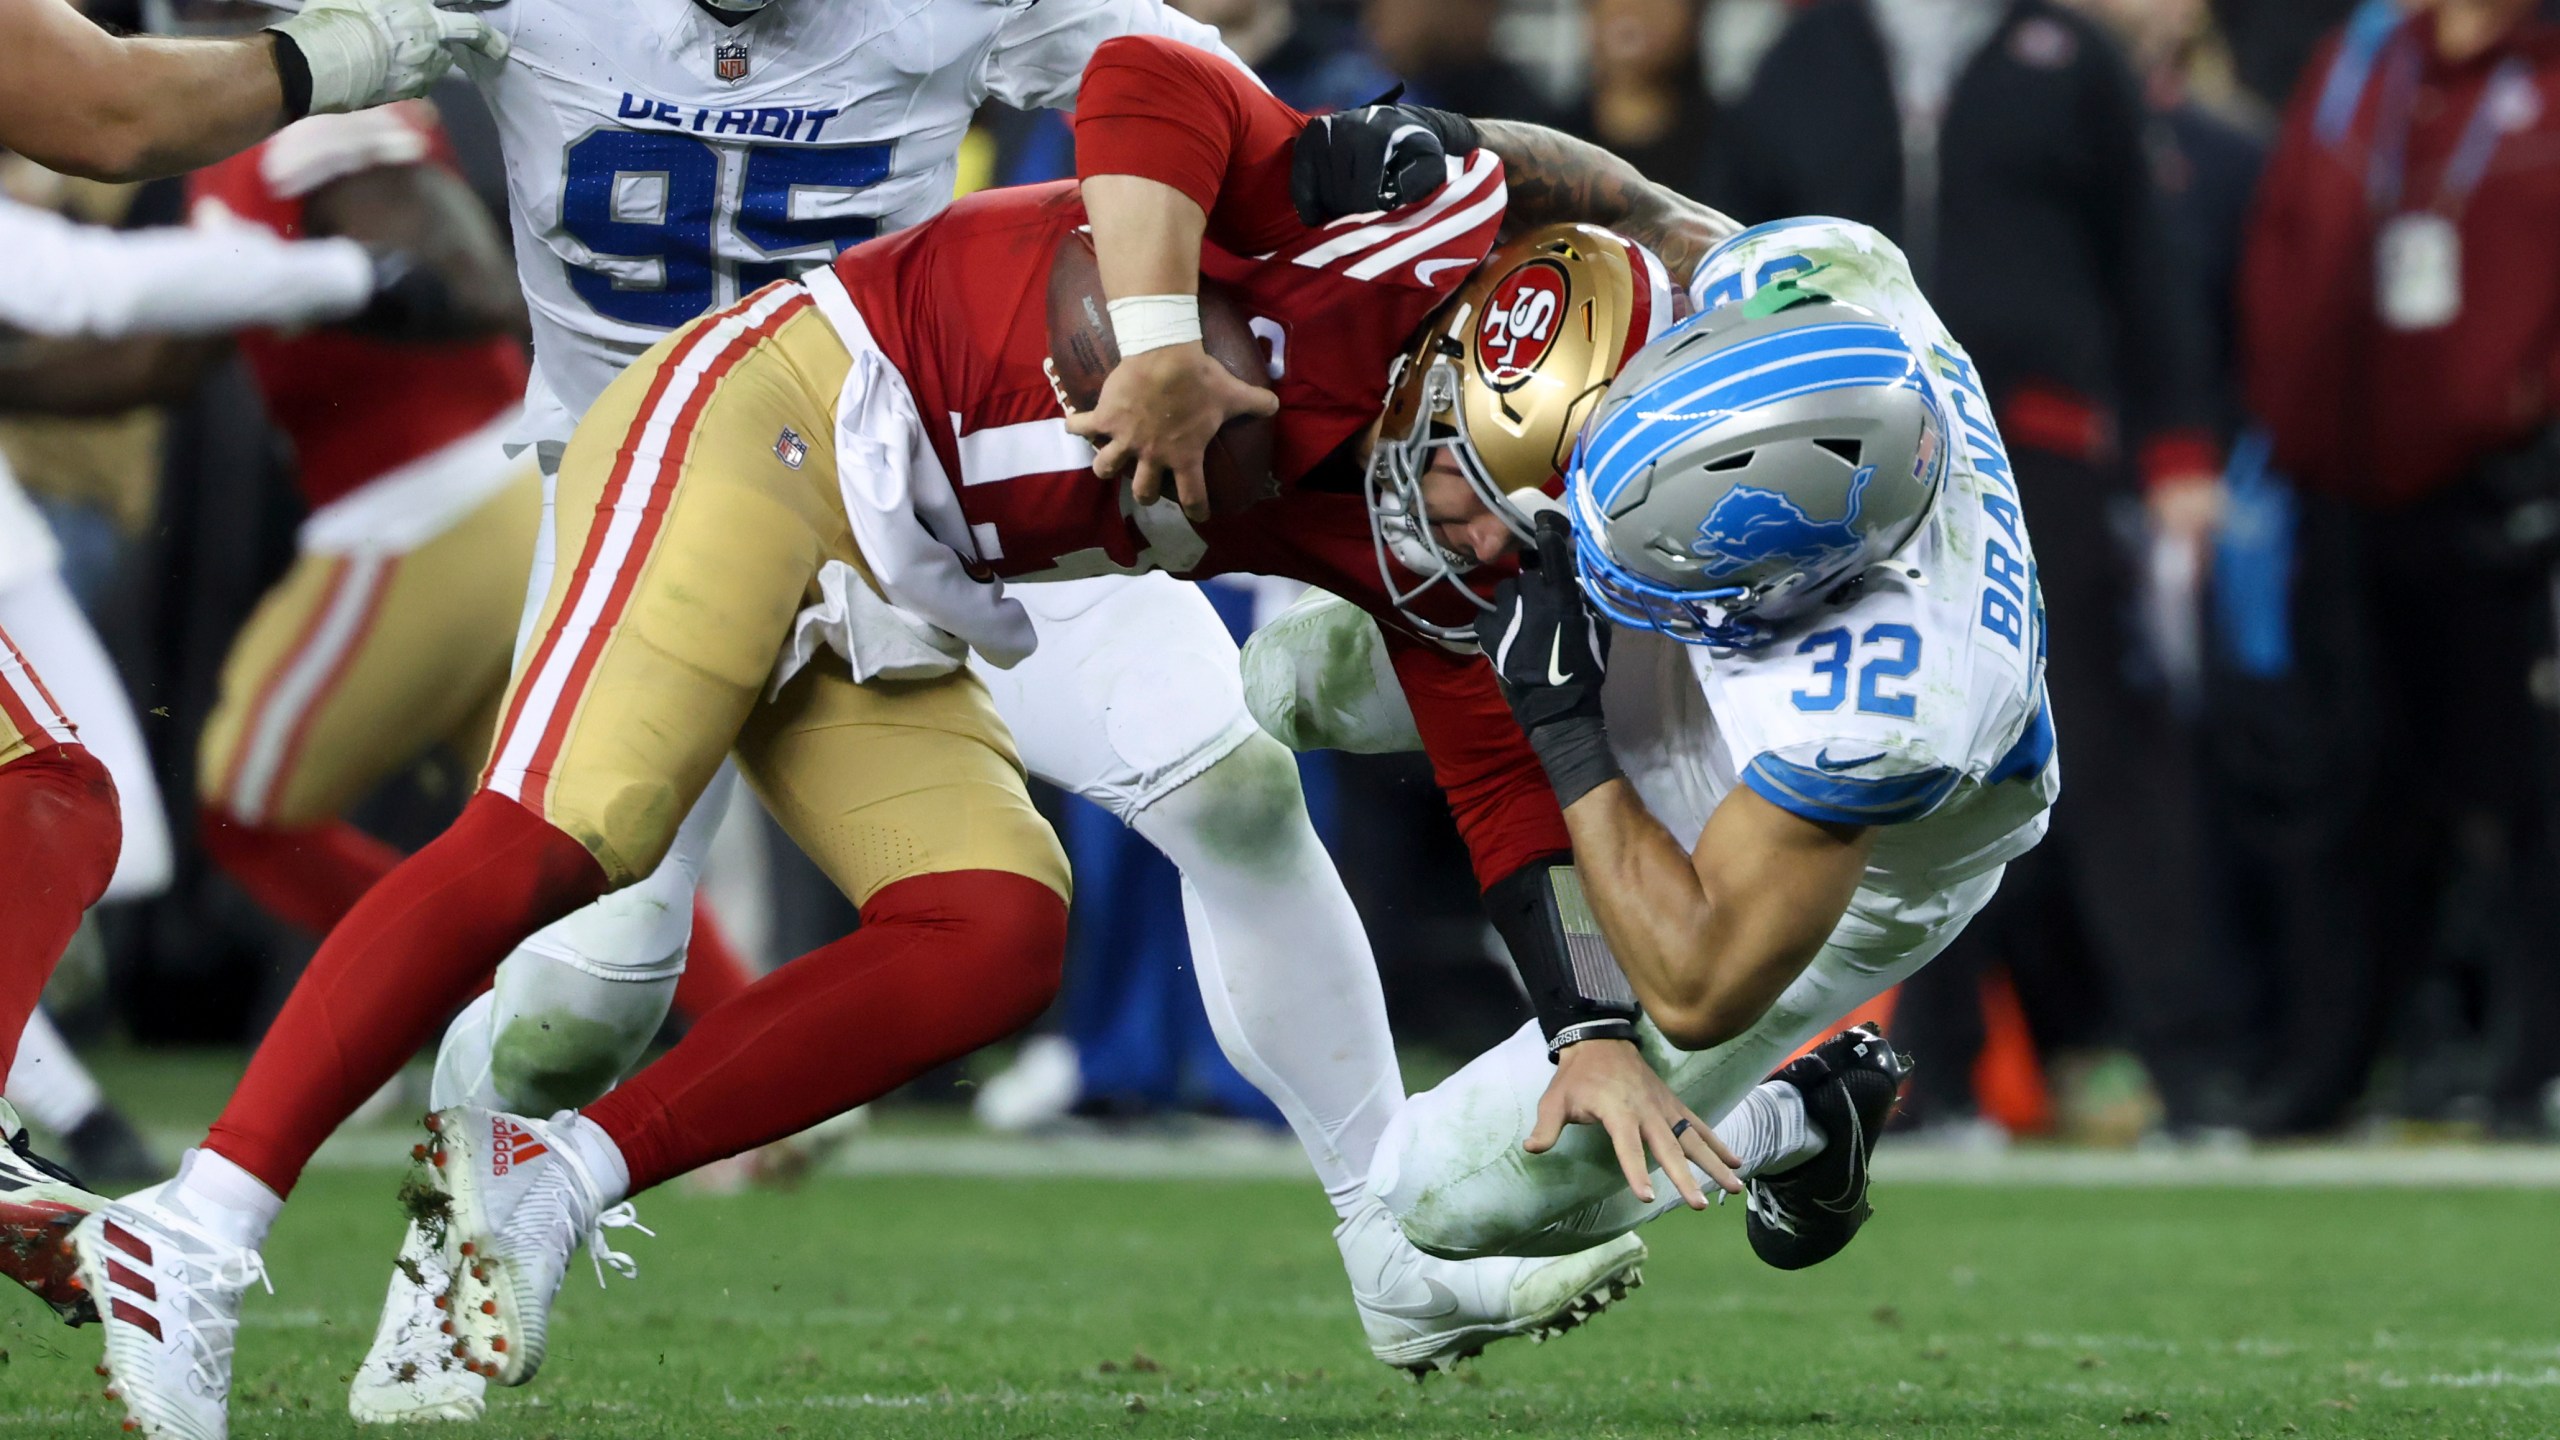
[
  {"x": 1318, "y": 678},
  {"x": 1009, "y": 930},
  {"x": 1238, "y": 811},
  {"x": 64, "y": 802}
]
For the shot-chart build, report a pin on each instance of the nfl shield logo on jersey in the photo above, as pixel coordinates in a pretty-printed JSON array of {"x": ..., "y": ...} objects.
[
  {"x": 789, "y": 448},
  {"x": 729, "y": 60}
]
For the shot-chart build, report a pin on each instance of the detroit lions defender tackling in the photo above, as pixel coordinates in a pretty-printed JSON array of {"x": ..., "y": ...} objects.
[{"x": 1820, "y": 737}]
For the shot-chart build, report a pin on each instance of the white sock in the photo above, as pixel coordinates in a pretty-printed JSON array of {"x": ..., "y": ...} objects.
[
  {"x": 224, "y": 1199},
  {"x": 47, "y": 1082},
  {"x": 1285, "y": 969},
  {"x": 1769, "y": 1131},
  {"x": 595, "y": 1149}
]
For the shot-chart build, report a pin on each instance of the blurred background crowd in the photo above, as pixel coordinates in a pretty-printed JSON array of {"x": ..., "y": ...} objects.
[{"x": 2267, "y": 295}]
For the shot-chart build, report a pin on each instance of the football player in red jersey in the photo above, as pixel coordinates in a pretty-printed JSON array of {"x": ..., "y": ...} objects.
[{"x": 835, "y": 430}]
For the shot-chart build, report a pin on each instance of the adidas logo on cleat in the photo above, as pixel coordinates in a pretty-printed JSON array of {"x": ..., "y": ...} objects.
[{"x": 510, "y": 1145}]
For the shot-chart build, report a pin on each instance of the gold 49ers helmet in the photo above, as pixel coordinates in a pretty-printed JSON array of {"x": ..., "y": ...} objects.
[{"x": 1502, "y": 377}]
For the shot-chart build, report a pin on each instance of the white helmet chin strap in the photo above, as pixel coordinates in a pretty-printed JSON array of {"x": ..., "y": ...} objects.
[{"x": 738, "y": 7}]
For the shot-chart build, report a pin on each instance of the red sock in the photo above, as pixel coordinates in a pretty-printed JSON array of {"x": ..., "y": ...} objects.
[
  {"x": 60, "y": 829},
  {"x": 714, "y": 974},
  {"x": 412, "y": 951},
  {"x": 942, "y": 965},
  {"x": 309, "y": 876}
]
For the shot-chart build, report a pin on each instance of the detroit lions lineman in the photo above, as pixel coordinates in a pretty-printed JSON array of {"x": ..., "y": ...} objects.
[
  {"x": 1820, "y": 737},
  {"x": 665, "y": 158}
]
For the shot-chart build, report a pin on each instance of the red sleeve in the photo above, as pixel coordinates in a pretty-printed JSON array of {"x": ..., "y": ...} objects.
[
  {"x": 1505, "y": 808},
  {"x": 1163, "y": 111},
  {"x": 2304, "y": 245}
]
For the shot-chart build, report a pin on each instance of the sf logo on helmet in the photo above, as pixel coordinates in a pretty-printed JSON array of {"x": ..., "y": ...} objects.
[{"x": 1520, "y": 323}]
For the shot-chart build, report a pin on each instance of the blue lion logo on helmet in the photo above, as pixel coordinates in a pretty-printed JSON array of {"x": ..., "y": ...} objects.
[{"x": 1750, "y": 525}]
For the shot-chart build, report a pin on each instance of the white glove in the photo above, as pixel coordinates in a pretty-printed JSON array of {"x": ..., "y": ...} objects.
[{"x": 364, "y": 53}]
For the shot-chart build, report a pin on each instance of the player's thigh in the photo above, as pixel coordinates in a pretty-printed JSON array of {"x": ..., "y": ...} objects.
[
  {"x": 884, "y": 781},
  {"x": 1133, "y": 692},
  {"x": 355, "y": 664},
  {"x": 684, "y": 547}
]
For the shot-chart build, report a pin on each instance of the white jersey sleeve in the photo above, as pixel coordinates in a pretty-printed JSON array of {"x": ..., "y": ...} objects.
[
  {"x": 67, "y": 279},
  {"x": 1917, "y": 704},
  {"x": 1039, "y": 56}
]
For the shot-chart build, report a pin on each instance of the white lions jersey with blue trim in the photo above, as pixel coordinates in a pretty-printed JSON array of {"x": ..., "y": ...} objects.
[
  {"x": 1917, "y": 705},
  {"x": 662, "y": 162}
]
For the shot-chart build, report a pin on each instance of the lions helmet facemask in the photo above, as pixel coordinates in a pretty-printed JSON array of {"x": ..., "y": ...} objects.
[
  {"x": 1751, "y": 465},
  {"x": 1501, "y": 377}
]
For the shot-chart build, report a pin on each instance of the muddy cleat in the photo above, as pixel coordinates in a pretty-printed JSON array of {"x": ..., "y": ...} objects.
[
  {"x": 170, "y": 1292},
  {"x": 1810, "y": 1213},
  {"x": 40, "y": 1202},
  {"x": 521, "y": 1203},
  {"x": 1425, "y": 1314},
  {"x": 411, "y": 1374}
]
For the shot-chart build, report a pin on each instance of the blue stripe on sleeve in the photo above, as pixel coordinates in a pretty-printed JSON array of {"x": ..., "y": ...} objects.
[
  {"x": 2028, "y": 757},
  {"x": 1848, "y": 799}
]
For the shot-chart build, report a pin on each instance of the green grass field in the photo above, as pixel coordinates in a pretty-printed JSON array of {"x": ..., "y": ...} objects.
[{"x": 1053, "y": 1307}]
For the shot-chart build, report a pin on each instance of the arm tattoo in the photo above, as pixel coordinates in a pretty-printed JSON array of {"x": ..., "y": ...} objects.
[{"x": 1555, "y": 179}]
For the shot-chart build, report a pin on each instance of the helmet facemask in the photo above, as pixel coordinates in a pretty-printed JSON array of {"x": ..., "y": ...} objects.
[{"x": 1400, "y": 522}]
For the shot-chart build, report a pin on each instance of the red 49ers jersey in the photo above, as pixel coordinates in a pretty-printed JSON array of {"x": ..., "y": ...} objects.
[
  {"x": 959, "y": 305},
  {"x": 354, "y": 408}
]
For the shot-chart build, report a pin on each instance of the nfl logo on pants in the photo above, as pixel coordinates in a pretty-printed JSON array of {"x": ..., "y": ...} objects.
[{"x": 729, "y": 61}]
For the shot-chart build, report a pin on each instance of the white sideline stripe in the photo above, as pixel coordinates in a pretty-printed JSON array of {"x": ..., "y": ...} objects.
[
  {"x": 1423, "y": 242},
  {"x": 543, "y": 695},
  {"x": 1009, "y": 452},
  {"x": 305, "y": 674},
  {"x": 1352, "y": 242},
  {"x": 22, "y": 683},
  {"x": 1234, "y": 1152}
]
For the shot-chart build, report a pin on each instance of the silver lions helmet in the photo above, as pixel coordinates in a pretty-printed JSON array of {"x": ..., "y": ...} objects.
[{"x": 1752, "y": 463}]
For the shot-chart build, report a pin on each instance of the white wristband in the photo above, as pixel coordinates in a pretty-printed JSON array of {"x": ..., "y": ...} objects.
[{"x": 1151, "y": 322}]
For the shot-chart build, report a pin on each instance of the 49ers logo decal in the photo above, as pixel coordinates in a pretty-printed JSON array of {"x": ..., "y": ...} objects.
[{"x": 1520, "y": 323}]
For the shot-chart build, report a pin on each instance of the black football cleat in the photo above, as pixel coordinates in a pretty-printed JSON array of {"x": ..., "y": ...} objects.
[{"x": 1811, "y": 1213}]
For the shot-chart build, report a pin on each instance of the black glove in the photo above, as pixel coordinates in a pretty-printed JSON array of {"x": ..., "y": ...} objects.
[
  {"x": 411, "y": 302},
  {"x": 1378, "y": 157},
  {"x": 1551, "y": 653}
]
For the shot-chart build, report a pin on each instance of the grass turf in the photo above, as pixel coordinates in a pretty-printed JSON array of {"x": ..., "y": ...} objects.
[{"x": 934, "y": 1308}]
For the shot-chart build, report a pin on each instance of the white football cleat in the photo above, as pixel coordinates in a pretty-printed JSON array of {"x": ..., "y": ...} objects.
[
  {"x": 521, "y": 1204},
  {"x": 40, "y": 1202},
  {"x": 169, "y": 1296},
  {"x": 1425, "y": 1314},
  {"x": 412, "y": 1375}
]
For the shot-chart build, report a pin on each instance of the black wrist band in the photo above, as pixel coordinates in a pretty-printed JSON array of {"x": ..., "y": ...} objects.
[
  {"x": 293, "y": 73},
  {"x": 1575, "y": 1034},
  {"x": 1575, "y": 754}
]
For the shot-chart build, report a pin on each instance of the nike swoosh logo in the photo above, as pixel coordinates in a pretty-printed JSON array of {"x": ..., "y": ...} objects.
[
  {"x": 1824, "y": 761},
  {"x": 1555, "y": 652},
  {"x": 1424, "y": 270},
  {"x": 1443, "y": 1301}
]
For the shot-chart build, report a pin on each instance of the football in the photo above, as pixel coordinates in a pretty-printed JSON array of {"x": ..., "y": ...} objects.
[{"x": 1082, "y": 351}]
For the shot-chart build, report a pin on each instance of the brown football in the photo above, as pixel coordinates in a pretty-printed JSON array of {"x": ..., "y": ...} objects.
[{"x": 1082, "y": 351}]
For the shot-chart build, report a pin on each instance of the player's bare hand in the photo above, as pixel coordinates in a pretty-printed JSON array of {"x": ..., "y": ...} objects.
[
  {"x": 1607, "y": 1083},
  {"x": 1155, "y": 417}
]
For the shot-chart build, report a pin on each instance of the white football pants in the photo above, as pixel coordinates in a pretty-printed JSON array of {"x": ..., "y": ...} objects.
[{"x": 1451, "y": 1168}]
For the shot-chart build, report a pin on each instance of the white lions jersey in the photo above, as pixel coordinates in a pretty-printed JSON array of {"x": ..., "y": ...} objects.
[
  {"x": 661, "y": 162},
  {"x": 1918, "y": 704}
]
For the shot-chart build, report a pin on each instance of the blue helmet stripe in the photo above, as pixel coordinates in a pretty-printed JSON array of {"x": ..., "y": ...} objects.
[
  {"x": 1744, "y": 376},
  {"x": 1673, "y": 424}
]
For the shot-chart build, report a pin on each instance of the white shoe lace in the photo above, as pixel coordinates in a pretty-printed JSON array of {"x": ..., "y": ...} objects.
[
  {"x": 601, "y": 1251},
  {"x": 210, "y": 1340}
]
